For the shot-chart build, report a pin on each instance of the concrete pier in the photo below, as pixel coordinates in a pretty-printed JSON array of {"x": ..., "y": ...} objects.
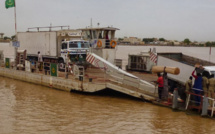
[{"x": 100, "y": 81}]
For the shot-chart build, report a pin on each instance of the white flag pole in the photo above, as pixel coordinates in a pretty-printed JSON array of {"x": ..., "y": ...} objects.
[
  {"x": 210, "y": 54},
  {"x": 15, "y": 56},
  {"x": 15, "y": 17}
]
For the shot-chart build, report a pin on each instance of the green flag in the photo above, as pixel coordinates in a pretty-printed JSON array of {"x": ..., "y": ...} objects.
[
  {"x": 7, "y": 62},
  {"x": 9, "y": 3},
  {"x": 53, "y": 69}
]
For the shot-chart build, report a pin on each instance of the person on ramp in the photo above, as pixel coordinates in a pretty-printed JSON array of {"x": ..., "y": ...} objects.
[{"x": 160, "y": 85}]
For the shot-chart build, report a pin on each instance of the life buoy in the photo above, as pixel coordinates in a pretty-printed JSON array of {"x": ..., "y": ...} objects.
[
  {"x": 113, "y": 43},
  {"x": 61, "y": 66},
  {"x": 99, "y": 43}
]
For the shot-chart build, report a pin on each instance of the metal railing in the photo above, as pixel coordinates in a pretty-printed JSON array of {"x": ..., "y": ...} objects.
[
  {"x": 199, "y": 106},
  {"x": 137, "y": 84}
]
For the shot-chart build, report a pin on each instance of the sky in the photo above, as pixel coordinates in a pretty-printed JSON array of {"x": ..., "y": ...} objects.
[{"x": 169, "y": 19}]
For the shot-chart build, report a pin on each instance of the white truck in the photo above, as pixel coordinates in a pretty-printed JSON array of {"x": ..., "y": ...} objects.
[
  {"x": 53, "y": 45},
  {"x": 185, "y": 63}
]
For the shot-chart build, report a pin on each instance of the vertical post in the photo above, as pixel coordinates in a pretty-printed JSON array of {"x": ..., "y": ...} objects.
[
  {"x": 210, "y": 54},
  {"x": 205, "y": 106},
  {"x": 175, "y": 99},
  {"x": 187, "y": 102},
  {"x": 66, "y": 72},
  {"x": 212, "y": 110},
  {"x": 66, "y": 63},
  {"x": 15, "y": 16},
  {"x": 15, "y": 48}
]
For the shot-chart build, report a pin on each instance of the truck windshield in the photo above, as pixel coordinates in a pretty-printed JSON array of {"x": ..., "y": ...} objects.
[
  {"x": 73, "y": 45},
  {"x": 78, "y": 44}
]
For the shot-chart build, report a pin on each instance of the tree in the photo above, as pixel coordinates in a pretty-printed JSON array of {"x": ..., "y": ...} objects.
[
  {"x": 187, "y": 41},
  {"x": 13, "y": 37},
  {"x": 147, "y": 40},
  {"x": 162, "y": 39},
  {"x": 208, "y": 44},
  {"x": 6, "y": 38},
  {"x": 120, "y": 39}
]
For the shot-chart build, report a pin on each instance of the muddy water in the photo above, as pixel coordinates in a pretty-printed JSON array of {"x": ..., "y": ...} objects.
[{"x": 27, "y": 108}]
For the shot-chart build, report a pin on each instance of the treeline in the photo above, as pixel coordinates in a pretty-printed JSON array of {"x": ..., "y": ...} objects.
[
  {"x": 8, "y": 38},
  {"x": 147, "y": 40},
  {"x": 210, "y": 44}
]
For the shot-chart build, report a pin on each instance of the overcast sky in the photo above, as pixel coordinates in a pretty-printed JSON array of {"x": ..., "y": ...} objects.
[{"x": 170, "y": 19}]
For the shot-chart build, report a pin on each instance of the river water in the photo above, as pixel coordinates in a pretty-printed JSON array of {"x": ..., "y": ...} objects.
[{"x": 32, "y": 109}]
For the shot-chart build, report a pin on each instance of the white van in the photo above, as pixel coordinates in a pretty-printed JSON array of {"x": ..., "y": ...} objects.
[{"x": 210, "y": 69}]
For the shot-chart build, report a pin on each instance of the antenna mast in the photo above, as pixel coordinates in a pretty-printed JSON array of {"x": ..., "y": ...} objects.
[{"x": 91, "y": 22}]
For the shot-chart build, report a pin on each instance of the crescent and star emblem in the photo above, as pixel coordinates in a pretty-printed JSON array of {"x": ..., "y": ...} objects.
[
  {"x": 10, "y": 3},
  {"x": 53, "y": 70}
]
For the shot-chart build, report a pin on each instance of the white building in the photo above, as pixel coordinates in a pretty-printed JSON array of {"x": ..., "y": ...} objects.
[{"x": 132, "y": 40}]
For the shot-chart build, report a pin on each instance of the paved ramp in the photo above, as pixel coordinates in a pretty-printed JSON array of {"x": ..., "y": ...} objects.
[{"x": 123, "y": 81}]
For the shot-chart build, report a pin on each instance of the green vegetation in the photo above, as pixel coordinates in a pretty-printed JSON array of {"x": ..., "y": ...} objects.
[
  {"x": 6, "y": 38},
  {"x": 210, "y": 44},
  {"x": 187, "y": 41},
  {"x": 13, "y": 37},
  {"x": 147, "y": 40},
  {"x": 120, "y": 39},
  {"x": 162, "y": 39}
]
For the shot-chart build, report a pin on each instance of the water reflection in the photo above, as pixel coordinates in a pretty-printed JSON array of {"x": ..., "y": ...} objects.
[{"x": 28, "y": 108}]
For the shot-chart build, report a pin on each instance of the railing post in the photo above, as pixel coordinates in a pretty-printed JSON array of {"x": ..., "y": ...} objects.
[
  {"x": 175, "y": 99},
  {"x": 187, "y": 101},
  {"x": 212, "y": 110},
  {"x": 205, "y": 106},
  {"x": 36, "y": 69}
]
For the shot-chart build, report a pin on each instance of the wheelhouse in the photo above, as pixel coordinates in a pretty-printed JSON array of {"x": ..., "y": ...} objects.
[{"x": 100, "y": 37}]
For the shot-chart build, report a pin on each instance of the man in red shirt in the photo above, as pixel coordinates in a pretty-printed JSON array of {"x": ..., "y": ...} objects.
[{"x": 160, "y": 85}]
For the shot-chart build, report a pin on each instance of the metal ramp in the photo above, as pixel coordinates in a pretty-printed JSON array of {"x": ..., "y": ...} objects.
[{"x": 123, "y": 81}]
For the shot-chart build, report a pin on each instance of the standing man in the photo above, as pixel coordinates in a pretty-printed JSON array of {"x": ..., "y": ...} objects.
[
  {"x": 198, "y": 86},
  {"x": 211, "y": 90},
  {"x": 40, "y": 60},
  {"x": 165, "y": 86},
  {"x": 205, "y": 83},
  {"x": 188, "y": 86},
  {"x": 160, "y": 85}
]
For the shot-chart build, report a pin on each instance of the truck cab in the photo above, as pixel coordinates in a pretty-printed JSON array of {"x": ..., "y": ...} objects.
[{"x": 74, "y": 51}]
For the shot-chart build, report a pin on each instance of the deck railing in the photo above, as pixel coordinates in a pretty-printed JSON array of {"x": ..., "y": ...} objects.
[
  {"x": 196, "y": 104},
  {"x": 137, "y": 84}
]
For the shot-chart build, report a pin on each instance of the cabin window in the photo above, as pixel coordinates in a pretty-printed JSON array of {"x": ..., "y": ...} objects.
[
  {"x": 85, "y": 35},
  {"x": 100, "y": 35},
  {"x": 94, "y": 34},
  {"x": 64, "y": 46},
  {"x": 73, "y": 45},
  {"x": 107, "y": 34},
  {"x": 112, "y": 34}
]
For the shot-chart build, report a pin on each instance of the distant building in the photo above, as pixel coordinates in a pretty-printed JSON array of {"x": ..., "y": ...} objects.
[
  {"x": 132, "y": 40},
  {"x": 177, "y": 43},
  {"x": 1, "y": 35}
]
